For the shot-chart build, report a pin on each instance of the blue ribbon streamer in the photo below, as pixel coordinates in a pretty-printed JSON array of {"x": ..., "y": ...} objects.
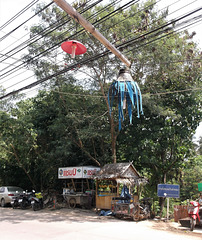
[{"x": 130, "y": 91}]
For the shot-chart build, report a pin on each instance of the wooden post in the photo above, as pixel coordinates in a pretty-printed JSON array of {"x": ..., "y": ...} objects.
[
  {"x": 73, "y": 184},
  {"x": 117, "y": 192},
  {"x": 88, "y": 185},
  {"x": 91, "y": 29},
  {"x": 96, "y": 193}
]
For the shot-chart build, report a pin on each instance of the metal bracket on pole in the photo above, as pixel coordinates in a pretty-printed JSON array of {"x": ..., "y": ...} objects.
[{"x": 91, "y": 29}]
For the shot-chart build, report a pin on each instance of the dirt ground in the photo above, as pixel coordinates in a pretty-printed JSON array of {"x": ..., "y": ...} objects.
[
  {"x": 84, "y": 224},
  {"x": 156, "y": 224}
]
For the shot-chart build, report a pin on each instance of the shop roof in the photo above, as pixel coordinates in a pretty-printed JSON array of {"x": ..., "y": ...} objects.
[{"x": 119, "y": 172}]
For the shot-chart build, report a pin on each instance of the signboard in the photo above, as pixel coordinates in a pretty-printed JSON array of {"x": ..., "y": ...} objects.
[
  {"x": 168, "y": 190},
  {"x": 77, "y": 172},
  {"x": 200, "y": 187}
]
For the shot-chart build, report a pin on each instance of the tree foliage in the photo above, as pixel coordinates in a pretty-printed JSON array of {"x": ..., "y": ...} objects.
[{"x": 69, "y": 123}]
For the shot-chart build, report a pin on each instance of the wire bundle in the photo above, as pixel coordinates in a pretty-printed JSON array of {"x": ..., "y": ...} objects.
[{"x": 129, "y": 45}]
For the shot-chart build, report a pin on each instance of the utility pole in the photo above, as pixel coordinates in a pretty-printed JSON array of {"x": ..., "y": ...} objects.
[{"x": 91, "y": 29}]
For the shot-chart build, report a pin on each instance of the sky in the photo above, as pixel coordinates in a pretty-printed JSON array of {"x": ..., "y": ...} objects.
[{"x": 9, "y": 8}]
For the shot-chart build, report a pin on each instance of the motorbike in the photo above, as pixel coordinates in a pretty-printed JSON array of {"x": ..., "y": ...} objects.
[
  {"x": 194, "y": 212},
  {"x": 14, "y": 202},
  {"x": 22, "y": 200},
  {"x": 145, "y": 208},
  {"x": 25, "y": 200},
  {"x": 37, "y": 201}
]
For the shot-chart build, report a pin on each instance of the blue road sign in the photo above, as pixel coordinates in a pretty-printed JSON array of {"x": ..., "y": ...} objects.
[{"x": 168, "y": 190}]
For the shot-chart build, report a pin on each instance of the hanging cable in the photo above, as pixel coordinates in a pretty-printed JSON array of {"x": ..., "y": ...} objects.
[
  {"x": 47, "y": 34},
  {"x": 56, "y": 74},
  {"x": 18, "y": 14},
  {"x": 72, "y": 35},
  {"x": 45, "y": 31},
  {"x": 5, "y": 36},
  {"x": 148, "y": 25},
  {"x": 129, "y": 42},
  {"x": 169, "y": 23}
]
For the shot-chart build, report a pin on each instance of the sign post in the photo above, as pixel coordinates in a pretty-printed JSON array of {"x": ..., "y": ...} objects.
[
  {"x": 167, "y": 214},
  {"x": 168, "y": 191}
]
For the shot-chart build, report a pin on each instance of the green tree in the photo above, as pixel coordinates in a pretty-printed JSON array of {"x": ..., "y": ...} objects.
[
  {"x": 17, "y": 143},
  {"x": 191, "y": 176},
  {"x": 164, "y": 63}
]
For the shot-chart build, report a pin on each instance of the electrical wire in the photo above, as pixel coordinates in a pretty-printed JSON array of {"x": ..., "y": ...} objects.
[
  {"x": 169, "y": 23},
  {"x": 45, "y": 32},
  {"x": 6, "y": 35},
  {"x": 143, "y": 94},
  {"x": 136, "y": 64},
  {"x": 147, "y": 64},
  {"x": 36, "y": 50},
  {"x": 159, "y": 38},
  {"x": 110, "y": 5},
  {"x": 62, "y": 41},
  {"x": 126, "y": 4},
  {"x": 153, "y": 22},
  {"x": 50, "y": 41},
  {"x": 17, "y": 76},
  {"x": 54, "y": 75},
  {"x": 18, "y": 14},
  {"x": 148, "y": 33}
]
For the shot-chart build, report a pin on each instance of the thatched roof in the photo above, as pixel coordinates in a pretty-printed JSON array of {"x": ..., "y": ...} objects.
[{"x": 121, "y": 172}]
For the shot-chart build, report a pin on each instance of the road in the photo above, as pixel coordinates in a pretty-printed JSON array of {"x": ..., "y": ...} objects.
[{"x": 81, "y": 224}]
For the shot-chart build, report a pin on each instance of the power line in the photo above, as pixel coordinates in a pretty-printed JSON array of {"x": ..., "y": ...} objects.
[
  {"x": 145, "y": 64},
  {"x": 156, "y": 39},
  {"x": 13, "y": 77},
  {"x": 143, "y": 94},
  {"x": 111, "y": 4},
  {"x": 18, "y": 14},
  {"x": 57, "y": 45},
  {"x": 64, "y": 33},
  {"x": 44, "y": 50},
  {"x": 101, "y": 19},
  {"x": 45, "y": 32},
  {"x": 102, "y": 54},
  {"x": 5, "y": 36},
  {"x": 131, "y": 41},
  {"x": 56, "y": 74},
  {"x": 151, "y": 24}
]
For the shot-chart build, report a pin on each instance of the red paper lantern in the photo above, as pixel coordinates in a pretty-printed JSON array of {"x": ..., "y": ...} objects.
[{"x": 73, "y": 47}]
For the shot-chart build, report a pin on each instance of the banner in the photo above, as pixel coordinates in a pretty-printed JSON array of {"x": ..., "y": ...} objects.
[{"x": 77, "y": 172}]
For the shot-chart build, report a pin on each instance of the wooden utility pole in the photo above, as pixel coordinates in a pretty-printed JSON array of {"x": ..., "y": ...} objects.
[{"x": 91, "y": 29}]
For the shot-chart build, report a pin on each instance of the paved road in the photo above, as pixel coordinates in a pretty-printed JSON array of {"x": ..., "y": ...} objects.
[{"x": 82, "y": 225}]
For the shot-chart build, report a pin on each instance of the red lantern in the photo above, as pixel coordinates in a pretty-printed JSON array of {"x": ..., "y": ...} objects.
[{"x": 73, "y": 47}]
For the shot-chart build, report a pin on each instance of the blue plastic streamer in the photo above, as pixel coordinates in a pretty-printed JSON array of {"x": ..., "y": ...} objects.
[{"x": 129, "y": 91}]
